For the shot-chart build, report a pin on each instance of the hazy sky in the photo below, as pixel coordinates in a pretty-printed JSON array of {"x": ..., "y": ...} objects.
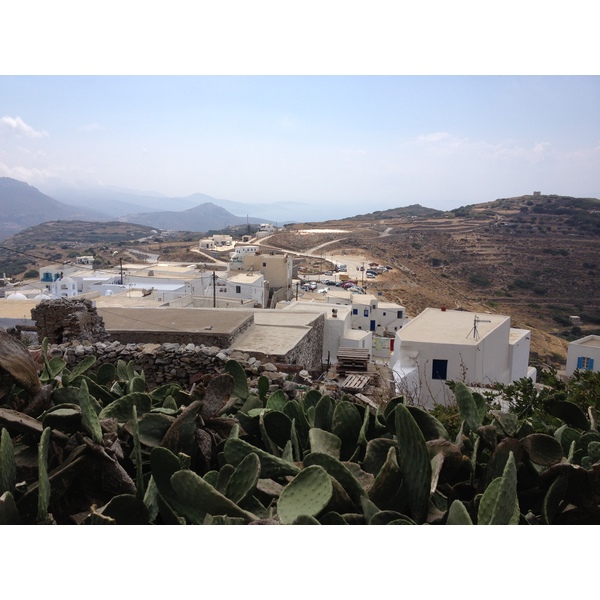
[{"x": 341, "y": 144}]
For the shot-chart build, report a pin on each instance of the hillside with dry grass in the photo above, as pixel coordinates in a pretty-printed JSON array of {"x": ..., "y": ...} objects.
[{"x": 535, "y": 258}]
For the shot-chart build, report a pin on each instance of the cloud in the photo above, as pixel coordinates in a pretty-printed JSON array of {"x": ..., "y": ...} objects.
[
  {"x": 538, "y": 153},
  {"x": 30, "y": 175},
  {"x": 20, "y": 127}
]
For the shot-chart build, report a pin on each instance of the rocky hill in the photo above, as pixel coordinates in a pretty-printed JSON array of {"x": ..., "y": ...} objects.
[
  {"x": 202, "y": 218},
  {"x": 22, "y": 205}
]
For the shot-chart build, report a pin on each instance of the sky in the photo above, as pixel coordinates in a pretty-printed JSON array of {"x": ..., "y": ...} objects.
[
  {"x": 331, "y": 109},
  {"x": 335, "y": 145}
]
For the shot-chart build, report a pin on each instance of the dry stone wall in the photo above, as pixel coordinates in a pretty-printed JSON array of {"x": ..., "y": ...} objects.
[{"x": 178, "y": 363}]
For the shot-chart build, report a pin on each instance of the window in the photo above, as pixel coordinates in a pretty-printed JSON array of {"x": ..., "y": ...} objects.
[
  {"x": 399, "y": 314},
  {"x": 384, "y": 314},
  {"x": 355, "y": 311},
  {"x": 366, "y": 312},
  {"x": 439, "y": 369},
  {"x": 585, "y": 363},
  {"x": 264, "y": 264},
  {"x": 238, "y": 289}
]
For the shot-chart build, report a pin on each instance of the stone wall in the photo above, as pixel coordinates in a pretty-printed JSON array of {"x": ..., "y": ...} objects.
[
  {"x": 173, "y": 363},
  {"x": 67, "y": 319},
  {"x": 309, "y": 351}
]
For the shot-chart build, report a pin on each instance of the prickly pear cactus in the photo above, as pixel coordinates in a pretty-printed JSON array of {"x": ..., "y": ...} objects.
[
  {"x": 8, "y": 469},
  {"x": 307, "y": 494},
  {"x": 414, "y": 463},
  {"x": 198, "y": 498},
  {"x": 499, "y": 504}
]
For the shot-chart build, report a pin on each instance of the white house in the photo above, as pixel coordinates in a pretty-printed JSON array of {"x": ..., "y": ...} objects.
[
  {"x": 584, "y": 354},
  {"x": 64, "y": 287},
  {"x": 338, "y": 330},
  {"x": 265, "y": 229},
  {"x": 222, "y": 239},
  {"x": 243, "y": 286},
  {"x": 240, "y": 251},
  {"x": 206, "y": 244},
  {"x": 449, "y": 345},
  {"x": 379, "y": 317}
]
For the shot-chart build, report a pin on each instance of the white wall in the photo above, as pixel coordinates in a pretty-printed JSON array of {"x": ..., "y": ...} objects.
[
  {"x": 519, "y": 354},
  {"x": 588, "y": 347},
  {"x": 484, "y": 362}
]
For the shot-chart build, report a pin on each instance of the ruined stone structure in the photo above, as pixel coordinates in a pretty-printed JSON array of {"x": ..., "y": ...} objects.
[{"x": 68, "y": 319}]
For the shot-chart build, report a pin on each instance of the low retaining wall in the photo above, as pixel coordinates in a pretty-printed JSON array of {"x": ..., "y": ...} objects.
[{"x": 174, "y": 363}]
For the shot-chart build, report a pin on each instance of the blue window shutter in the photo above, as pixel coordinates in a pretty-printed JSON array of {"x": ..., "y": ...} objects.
[
  {"x": 579, "y": 362},
  {"x": 591, "y": 367}
]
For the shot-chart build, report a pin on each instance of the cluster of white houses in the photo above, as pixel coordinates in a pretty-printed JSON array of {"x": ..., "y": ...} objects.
[{"x": 423, "y": 353}]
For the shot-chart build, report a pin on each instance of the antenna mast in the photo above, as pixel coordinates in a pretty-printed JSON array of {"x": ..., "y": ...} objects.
[{"x": 476, "y": 322}]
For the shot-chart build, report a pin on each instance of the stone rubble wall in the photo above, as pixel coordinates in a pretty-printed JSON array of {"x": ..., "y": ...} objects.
[
  {"x": 180, "y": 364},
  {"x": 66, "y": 319}
]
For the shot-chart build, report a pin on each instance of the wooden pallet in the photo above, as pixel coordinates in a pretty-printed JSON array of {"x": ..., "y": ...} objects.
[
  {"x": 355, "y": 383},
  {"x": 352, "y": 359}
]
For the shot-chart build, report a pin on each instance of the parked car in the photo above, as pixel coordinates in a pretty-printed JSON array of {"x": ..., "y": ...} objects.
[
  {"x": 371, "y": 275},
  {"x": 328, "y": 273}
]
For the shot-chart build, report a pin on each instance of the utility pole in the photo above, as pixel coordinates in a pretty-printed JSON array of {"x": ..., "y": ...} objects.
[
  {"x": 214, "y": 277},
  {"x": 121, "y": 264}
]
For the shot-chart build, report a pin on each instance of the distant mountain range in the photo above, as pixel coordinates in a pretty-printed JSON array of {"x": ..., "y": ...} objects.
[
  {"x": 22, "y": 206},
  {"x": 204, "y": 217}
]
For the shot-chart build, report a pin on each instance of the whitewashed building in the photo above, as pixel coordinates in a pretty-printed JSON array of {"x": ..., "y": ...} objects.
[
  {"x": 338, "y": 332},
  {"x": 449, "y": 345},
  {"x": 64, "y": 287},
  {"x": 584, "y": 355},
  {"x": 369, "y": 313}
]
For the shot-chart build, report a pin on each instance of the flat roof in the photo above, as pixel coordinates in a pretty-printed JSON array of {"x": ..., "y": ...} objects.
[
  {"x": 356, "y": 334},
  {"x": 186, "y": 320},
  {"x": 17, "y": 309},
  {"x": 591, "y": 341},
  {"x": 517, "y": 334},
  {"x": 275, "y": 332},
  {"x": 390, "y": 305},
  {"x": 434, "y": 325},
  {"x": 245, "y": 277},
  {"x": 298, "y": 306}
]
